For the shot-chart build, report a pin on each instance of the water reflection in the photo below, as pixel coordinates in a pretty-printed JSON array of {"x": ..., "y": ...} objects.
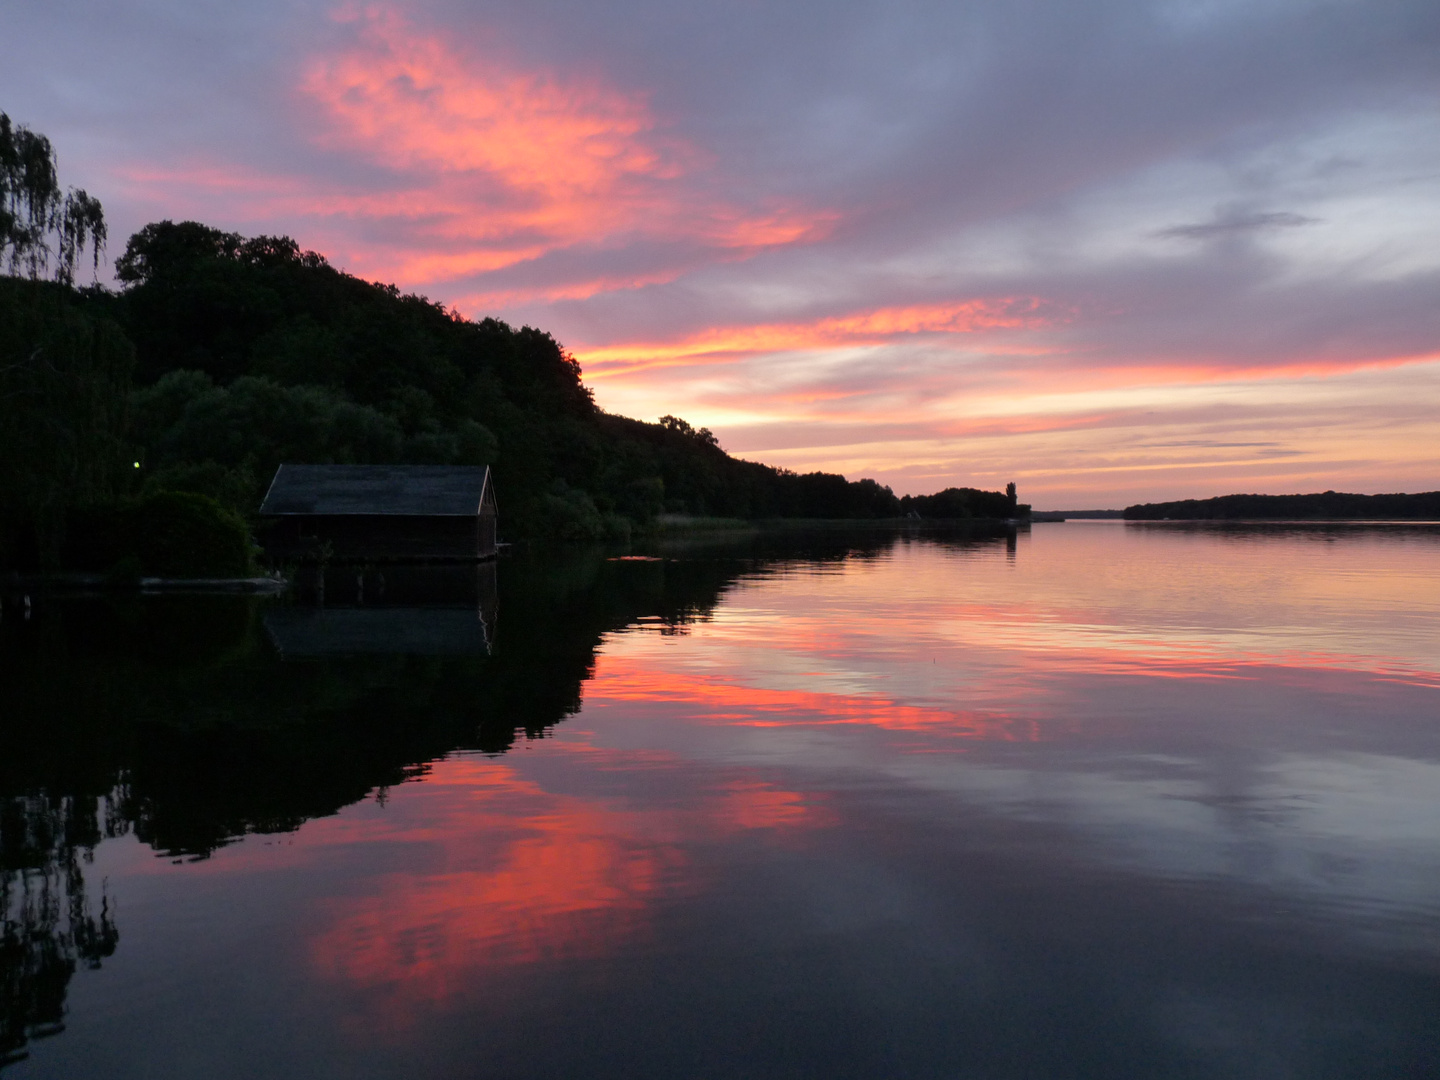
[
  {"x": 48, "y": 922},
  {"x": 177, "y": 719},
  {"x": 411, "y": 610},
  {"x": 1094, "y": 800}
]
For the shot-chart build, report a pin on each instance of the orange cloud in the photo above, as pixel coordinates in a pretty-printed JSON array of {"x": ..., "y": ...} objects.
[
  {"x": 508, "y": 164},
  {"x": 484, "y": 164},
  {"x": 872, "y": 327},
  {"x": 562, "y": 152}
]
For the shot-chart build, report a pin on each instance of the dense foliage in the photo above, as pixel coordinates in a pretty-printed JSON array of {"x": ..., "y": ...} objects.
[
  {"x": 161, "y": 534},
  {"x": 1326, "y": 506},
  {"x": 64, "y": 386}
]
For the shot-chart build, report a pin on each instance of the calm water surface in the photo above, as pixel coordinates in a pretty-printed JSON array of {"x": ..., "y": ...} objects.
[{"x": 1095, "y": 800}]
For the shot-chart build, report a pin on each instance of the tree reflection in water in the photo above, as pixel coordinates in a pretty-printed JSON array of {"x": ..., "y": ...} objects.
[
  {"x": 48, "y": 923},
  {"x": 176, "y": 719}
]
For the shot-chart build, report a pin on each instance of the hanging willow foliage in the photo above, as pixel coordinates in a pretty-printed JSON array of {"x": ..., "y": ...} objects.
[{"x": 39, "y": 223}]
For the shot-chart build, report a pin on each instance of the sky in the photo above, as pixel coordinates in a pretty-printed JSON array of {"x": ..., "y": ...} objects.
[{"x": 1112, "y": 250}]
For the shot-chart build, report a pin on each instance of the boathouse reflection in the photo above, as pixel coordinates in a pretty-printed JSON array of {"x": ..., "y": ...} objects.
[{"x": 412, "y": 610}]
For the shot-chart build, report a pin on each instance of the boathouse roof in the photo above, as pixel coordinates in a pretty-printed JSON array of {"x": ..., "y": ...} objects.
[{"x": 374, "y": 490}]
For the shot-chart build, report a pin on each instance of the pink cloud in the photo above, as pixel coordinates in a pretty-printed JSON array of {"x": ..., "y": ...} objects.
[
  {"x": 509, "y": 163},
  {"x": 867, "y": 327},
  {"x": 464, "y": 165}
]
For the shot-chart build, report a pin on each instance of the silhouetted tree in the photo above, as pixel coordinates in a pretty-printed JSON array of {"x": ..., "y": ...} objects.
[
  {"x": 38, "y": 221},
  {"x": 704, "y": 436}
]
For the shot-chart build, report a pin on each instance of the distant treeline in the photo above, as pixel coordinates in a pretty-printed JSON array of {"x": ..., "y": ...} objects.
[{"x": 1326, "y": 506}]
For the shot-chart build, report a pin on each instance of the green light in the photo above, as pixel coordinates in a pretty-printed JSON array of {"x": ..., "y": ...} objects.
[{"x": 137, "y": 464}]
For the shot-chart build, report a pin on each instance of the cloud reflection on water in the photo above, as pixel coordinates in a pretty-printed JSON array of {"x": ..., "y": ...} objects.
[
  {"x": 1187, "y": 741},
  {"x": 509, "y": 873},
  {"x": 1153, "y": 801}
]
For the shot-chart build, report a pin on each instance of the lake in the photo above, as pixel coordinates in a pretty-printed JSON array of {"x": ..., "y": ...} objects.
[{"x": 1089, "y": 800}]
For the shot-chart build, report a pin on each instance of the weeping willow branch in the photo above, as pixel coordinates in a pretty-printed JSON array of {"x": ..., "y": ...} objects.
[{"x": 39, "y": 223}]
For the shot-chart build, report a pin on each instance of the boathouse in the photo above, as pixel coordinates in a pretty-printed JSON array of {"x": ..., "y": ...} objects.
[{"x": 378, "y": 513}]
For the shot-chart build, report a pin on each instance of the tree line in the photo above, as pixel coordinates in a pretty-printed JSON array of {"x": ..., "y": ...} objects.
[
  {"x": 220, "y": 356},
  {"x": 1324, "y": 506}
]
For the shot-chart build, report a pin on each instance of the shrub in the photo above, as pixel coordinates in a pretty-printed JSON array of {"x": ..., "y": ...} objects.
[
  {"x": 167, "y": 533},
  {"x": 566, "y": 513}
]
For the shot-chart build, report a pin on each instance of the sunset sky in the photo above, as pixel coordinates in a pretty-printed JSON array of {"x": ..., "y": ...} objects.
[{"x": 1113, "y": 250}]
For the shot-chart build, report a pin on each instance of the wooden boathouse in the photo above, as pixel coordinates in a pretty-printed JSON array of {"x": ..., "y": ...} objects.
[{"x": 379, "y": 513}]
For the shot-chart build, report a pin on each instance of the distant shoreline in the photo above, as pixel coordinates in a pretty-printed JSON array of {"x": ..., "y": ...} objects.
[
  {"x": 1076, "y": 515},
  {"x": 670, "y": 524},
  {"x": 1287, "y": 522},
  {"x": 1327, "y": 506}
]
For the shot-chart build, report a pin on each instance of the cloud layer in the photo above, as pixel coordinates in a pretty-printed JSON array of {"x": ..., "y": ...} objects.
[{"x": 1116, "y": 251}]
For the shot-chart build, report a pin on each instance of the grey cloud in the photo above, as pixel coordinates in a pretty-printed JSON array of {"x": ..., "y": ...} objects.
[{"x": 1234, "y": 224}]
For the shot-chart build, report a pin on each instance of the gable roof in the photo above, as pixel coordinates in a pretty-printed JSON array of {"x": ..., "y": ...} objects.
[{"x": 409, "y": 490}]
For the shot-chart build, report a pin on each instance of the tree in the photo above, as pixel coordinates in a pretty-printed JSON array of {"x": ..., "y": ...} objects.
[
  {"x": 38, "y": 222},
  {"x": 704, "y": 436},
  {"x": 64, "y": 386}
]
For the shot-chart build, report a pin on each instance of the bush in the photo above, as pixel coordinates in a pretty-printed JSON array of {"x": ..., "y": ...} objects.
[
  {"x": 167, "y": 534},
  {"x": 230, "y": 487},
  {"x": 566, "y": 513}
]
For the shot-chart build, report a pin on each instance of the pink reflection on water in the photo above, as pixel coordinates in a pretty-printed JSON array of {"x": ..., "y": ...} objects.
[
  {"x": 512, "y": 874},
  {"x": 936, "y": 650},
  {"x": 714, "y": 699}
]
